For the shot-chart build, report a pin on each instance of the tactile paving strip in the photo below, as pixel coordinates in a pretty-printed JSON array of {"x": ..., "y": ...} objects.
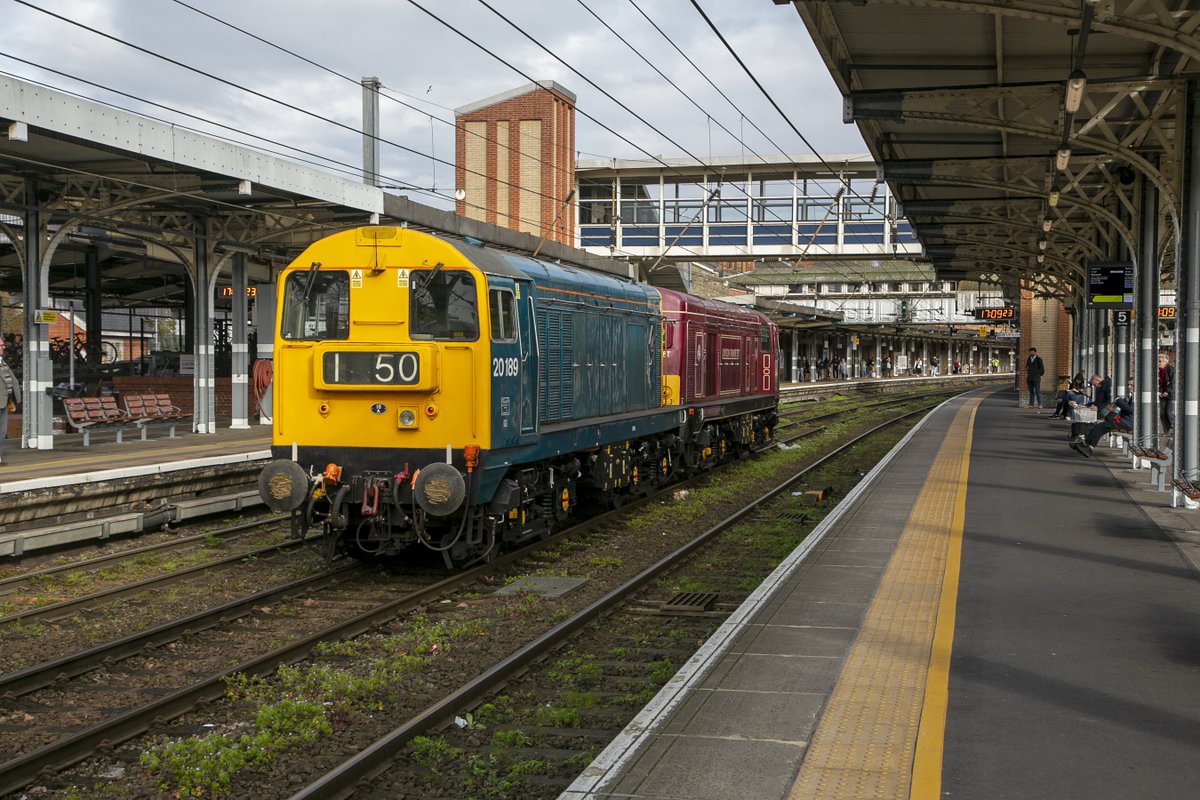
[{"x": 866, "y": 739}]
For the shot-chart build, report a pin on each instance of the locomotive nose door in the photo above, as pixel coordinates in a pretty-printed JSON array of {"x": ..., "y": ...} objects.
[{"x": 513, "y": 362}]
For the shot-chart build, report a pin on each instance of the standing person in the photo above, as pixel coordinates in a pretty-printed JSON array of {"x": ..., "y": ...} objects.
[
  {"x": 934, "y": 364},
  {"x": 11, "y": 389},
  {"x": 1166, "y": 392},
  {"x": 1034, "y": 370}
]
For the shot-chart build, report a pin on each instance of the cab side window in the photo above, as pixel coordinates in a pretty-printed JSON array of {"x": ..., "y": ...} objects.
[{"x": 502, "y": 308}]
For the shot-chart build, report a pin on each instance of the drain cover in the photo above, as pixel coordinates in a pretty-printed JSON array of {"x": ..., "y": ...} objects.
[
  {"x": 546, "y": 587},
  {"x": 690, "y": 601}
]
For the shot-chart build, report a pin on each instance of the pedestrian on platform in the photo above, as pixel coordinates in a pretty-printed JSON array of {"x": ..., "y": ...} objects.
[
  {"x": 1034, "y": 370},
  {"x": 12, "y": 395},
  {"x": 1166, "y": 392}
]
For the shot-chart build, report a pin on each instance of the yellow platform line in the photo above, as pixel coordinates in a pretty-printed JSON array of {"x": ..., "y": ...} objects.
[
  {"x": 882, "y": 729},
  {"x": 115, "y": 460}
]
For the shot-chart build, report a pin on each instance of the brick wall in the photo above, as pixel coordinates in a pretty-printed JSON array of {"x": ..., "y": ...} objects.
[
  {"x": 180, "y": 389},
  {"x": 527, "y": 158},
  {"x": 1046, "y": 325}
]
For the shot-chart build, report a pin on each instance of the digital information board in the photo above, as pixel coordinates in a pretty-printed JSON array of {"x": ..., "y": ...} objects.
[
  {"x": 1110, "y": 285},
  {"x": 997, "y": 314}
]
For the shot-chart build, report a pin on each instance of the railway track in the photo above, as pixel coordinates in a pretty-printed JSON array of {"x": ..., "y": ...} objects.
[
  {"x": 390, "y": 767},
  {"x": 135, "y": 718},
  {"x": 41, "y": 587}
]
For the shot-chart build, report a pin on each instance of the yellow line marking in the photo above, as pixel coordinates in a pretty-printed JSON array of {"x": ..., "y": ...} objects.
[
  {"x": 891, "y": 695},
  {"x": 931, "y": 737},
  {"x": 120, "y": 460}
]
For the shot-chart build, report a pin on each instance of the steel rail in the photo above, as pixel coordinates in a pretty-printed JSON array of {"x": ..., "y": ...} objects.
[
  {"x": 65, "y": 608},
  {"x": 39, "y": 676},
  {"x": 99, "y": 560},
  {"x": 21, "y": 771}
]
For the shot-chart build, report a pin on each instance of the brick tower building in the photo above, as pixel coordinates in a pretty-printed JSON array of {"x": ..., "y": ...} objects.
[{"x": 515, "y": 160}]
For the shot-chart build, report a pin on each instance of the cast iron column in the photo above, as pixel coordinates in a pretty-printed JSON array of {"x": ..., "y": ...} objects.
[
  {"x": 1187, "y": 313},
  {"x": 204, "y": 403},
  {"x": 239, "y": 365},
  {"x": 1145, "y": 416},
  {"x": 37, "y": 418}
]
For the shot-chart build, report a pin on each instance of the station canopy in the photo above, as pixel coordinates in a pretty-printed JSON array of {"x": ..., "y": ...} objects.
[
  {"x": 138, "y": 194},
  {"x": 1017, "y": 135}
]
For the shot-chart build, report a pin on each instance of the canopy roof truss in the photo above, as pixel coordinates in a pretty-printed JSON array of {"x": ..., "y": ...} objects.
[{"x": 967, "y": 106}]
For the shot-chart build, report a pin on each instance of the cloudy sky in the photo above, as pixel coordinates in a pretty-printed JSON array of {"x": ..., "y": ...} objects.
[{"x": 307, "y": 103}]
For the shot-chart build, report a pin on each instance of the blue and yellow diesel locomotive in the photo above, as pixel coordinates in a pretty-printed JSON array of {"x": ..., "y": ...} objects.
[{"x": 439, "y": 392}]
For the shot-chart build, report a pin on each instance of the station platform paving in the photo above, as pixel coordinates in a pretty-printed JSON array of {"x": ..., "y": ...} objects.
[
  {"x": 987, "y": 615},
  {"x": 70, "y": 461},
  {"x": 73, "y": 494}
]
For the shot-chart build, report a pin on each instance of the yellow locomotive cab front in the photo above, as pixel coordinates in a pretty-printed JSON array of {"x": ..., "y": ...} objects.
[{"x": 372, "y": 325}]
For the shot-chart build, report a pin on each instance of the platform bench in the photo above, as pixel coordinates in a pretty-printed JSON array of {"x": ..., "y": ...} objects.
[
  {"x": 1160, "y": 465},
  {"x": 1121, "y": 439},
  {"x": 87, "y": 414},
  {"x": 1190, "y": 490},
  {"x": 145, "y": 410}
]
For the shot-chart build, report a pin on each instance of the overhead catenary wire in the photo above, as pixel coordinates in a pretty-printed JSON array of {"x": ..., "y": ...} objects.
[
  {"x": 255, "y": 92},
  {"x": 325, "y": 68},
  {"x": 262, "y": 96},
  {"x": 251, "y": 91},
  {"x": 736, "y": 137},
  {"x": 857, "y": 274},
  {"x": 318, "y": 65},
  {"x": 582, "y": 112},
  {"x": 705, "y": 75},
  {"x": 351, "y": 168},
  {"x": 343, "y": 76}
]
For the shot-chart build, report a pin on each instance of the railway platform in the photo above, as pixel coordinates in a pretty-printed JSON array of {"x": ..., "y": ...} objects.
[
  {"x": 124, "y": 487},
  {"x": 987, "y": 615}
]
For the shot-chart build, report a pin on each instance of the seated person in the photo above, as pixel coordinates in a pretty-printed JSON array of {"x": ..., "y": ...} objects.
[
  {"x": 1101, "y": 393},
  {"x": 1118, "y": 416},
  {"x": 1068, "y": 397}
]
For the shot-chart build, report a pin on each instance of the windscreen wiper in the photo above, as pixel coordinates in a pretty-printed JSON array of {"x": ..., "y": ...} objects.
[
  {"x": 424, "y": 284},
  {"x": 310, "y": 283}
]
